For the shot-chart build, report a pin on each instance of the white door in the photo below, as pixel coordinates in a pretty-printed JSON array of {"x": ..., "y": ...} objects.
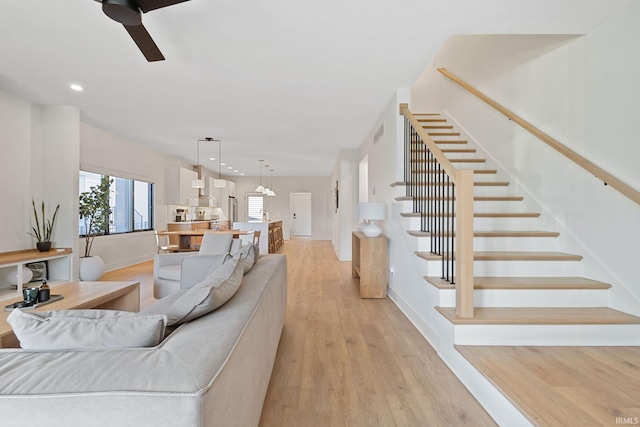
[{"x": 301, "y": 214}]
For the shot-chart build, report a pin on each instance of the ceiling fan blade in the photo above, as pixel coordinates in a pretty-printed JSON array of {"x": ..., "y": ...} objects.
[
  {"x": 147, "y": 5},
  {"x": 144, "y": 41}
]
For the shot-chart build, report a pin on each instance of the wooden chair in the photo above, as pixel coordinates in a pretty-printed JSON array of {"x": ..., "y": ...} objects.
[
  {"x": 162, "y": 242},
  {"x": 272, "y": 241}
]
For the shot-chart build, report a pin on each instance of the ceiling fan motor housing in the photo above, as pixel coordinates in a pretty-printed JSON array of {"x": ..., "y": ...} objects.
[{"x": 125, "y": 12}]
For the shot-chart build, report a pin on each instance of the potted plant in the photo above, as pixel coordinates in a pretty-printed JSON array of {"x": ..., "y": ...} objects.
[
  {"x": 94, "y": 211},
  {"x": 43, "y": 229}
]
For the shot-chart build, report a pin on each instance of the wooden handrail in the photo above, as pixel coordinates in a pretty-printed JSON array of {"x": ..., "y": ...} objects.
[
  {"x": 437, "y": 153},
  {"x": 605, "y": 176}
]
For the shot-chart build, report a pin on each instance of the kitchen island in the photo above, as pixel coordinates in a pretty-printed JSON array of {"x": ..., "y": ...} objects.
[{"x": 263, "y": 227}]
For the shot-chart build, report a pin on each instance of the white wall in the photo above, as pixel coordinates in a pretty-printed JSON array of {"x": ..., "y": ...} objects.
[
  {"x": 107, "y": 153},
  {"x": 345, "y": 173},
  {"x": 39, "y": 150},
  {"x": 318, "y": 186},
  {"x": 583, "y": 92}
]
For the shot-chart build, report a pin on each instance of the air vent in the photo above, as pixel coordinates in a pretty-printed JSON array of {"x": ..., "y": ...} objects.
[{"x": 378, "y": 134}]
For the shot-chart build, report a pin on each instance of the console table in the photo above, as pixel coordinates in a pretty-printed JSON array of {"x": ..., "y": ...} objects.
[
  {"x": 369, "y": 263},
  {"x": 79, "y": 295},
  {"x": 58, "y": 270}
]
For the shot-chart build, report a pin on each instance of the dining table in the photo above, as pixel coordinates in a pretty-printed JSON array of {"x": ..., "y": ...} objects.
[{"x": 185, "y": 237}]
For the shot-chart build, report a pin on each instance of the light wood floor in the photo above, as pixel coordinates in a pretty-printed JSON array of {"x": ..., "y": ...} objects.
[{"x": 345, "y": 361}]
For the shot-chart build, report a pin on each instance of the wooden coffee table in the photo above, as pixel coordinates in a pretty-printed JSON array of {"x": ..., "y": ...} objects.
[{"x": 123, "y": 296}]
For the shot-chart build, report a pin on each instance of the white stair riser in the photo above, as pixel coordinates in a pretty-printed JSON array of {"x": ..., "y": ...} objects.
[
  {"x": 505, "y": 224},
  {"x": 513, "y": 268},
  {"x": 548, "y": 335},
  {"x": 406, "y": 206},
  {"x": 520, "y": 244},
  {"x": 486, "y": 224},
  {"x": 531, "y": 298}
]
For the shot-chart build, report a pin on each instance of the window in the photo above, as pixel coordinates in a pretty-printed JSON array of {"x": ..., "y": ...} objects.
[
  {"x": 131, "y": 203},
  {"x": 255, "y": 207}
]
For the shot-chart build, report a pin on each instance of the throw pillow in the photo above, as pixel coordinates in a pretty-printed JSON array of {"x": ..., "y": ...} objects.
[
  {"x": 86, "y": 329},
  {"x": 247, "y": 257},
  {"x": 206, "y": 296}
]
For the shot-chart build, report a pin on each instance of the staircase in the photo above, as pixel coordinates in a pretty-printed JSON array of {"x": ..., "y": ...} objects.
[{"x": 526, "y": 291}]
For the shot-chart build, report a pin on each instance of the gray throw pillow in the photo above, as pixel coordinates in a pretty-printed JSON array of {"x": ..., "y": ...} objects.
[
  {"x": 86, "y": 329},
  {"x": 206, "y": 296},
  {"x": 247, "y": 257}
]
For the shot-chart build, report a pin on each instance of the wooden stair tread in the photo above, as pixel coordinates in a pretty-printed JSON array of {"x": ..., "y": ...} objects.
[
  {"x": 475, "y": 199},
  {"x": 500, "y": 233},
  {"x": 481, "y": 215},
  {"x": 476, "y": 184},
  {"x": 467, "y": 160},
  {"x": 522, "y": 283},
  {"x": 430, "y": 120},
  {"x": 541, "y": 316},
  {"x": 437, "y": 126},
  {"x": 458, "y": 150},
  {"x": 475, "y": 171},
  {"x": 508, "y": 256},
  {"x": 443, "y": 133},
  {"x": 452, "y": 141}
]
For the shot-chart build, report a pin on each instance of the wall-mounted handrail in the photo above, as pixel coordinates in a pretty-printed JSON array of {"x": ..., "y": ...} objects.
[
  {"x": 443, "y": 196},
  {"x": 605, "y": 176}
]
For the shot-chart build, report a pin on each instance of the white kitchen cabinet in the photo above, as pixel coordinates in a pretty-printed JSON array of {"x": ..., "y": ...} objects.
[{"x": 178, "y": 185}]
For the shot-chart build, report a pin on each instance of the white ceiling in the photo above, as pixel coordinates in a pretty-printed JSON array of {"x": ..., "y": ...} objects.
[{"x": 288, "y": 81}]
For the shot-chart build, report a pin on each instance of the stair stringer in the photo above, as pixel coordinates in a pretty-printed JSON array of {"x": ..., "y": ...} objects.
[{"x": 590, "y": 265}]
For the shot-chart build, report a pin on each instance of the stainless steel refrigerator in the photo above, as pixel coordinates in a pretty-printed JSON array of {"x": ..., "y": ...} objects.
[{"x": 233, "y": 209}]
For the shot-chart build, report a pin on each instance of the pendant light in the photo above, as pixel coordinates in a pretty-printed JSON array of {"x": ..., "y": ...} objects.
[
  {"x": 266, "y": 187},
  {"x": 260, "y": 188},
  {"x": 219, "y": 183},
  {"x": 270, "y": 191},
  {"x": 199, "y": 182}
]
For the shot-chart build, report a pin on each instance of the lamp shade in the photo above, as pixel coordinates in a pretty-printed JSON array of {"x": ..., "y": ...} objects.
[{"x": 374, "y": 211}]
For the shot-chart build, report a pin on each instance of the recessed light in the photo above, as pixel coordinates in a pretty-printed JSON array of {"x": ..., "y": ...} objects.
[
  {"x": 229, "y": 167},
  {"x": 76, "y": 87},
  {"x": 241, "y": 174},
  {"x": 222, "y": 164},
  {"x": 236, "y": 170},
  {"x": 212, "y": 158}
]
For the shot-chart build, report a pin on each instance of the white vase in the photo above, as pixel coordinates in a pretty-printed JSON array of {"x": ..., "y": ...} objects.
[
  {"x": 91, "y": 268},
  {"x": 12, "y": 276}
]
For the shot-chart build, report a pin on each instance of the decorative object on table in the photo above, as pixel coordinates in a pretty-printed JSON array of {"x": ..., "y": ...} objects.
[
  {"x": 24, "y": 306},
  {"x": 30, "y": 295},
  {"x": 372, "y": 212},
  {"x": 43, "y": 228},
  {"x": 39, "y": 269},
  {"x": 12, "y": 276},
  {"x": 94, "y": 210},
  {"x": 44, "y": 293}
]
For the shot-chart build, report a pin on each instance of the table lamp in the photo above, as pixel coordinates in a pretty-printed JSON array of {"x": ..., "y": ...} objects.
[{"x": 372, "y": 212}]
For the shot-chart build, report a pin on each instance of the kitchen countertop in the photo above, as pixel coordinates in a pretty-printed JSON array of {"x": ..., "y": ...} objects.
[{"x": 188, "y": 222}]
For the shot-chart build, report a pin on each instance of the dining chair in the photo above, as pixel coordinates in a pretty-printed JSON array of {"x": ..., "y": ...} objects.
[{"x": 163, "y": 244}]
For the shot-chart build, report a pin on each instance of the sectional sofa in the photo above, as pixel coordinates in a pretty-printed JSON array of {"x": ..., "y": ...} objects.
[{"x": 211, "y": 371}]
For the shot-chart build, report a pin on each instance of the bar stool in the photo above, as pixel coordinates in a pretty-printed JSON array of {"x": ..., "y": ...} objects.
[
  {"x": 279, "y": 238},
  {"x": 272, "y": 241}
]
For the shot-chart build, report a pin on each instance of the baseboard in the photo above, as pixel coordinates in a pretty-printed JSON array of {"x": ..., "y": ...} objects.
[{"x": 430, "y": 334}]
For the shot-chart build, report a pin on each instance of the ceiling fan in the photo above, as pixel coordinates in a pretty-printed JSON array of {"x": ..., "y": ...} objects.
[{"x": 127, "y": 12}]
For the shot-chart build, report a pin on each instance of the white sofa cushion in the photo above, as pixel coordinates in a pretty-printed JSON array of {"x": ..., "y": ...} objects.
[
  {"x": 204, "y": 297},
  {"x": 86, "y": 329},
  {"x": 170, "y": 272}
]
